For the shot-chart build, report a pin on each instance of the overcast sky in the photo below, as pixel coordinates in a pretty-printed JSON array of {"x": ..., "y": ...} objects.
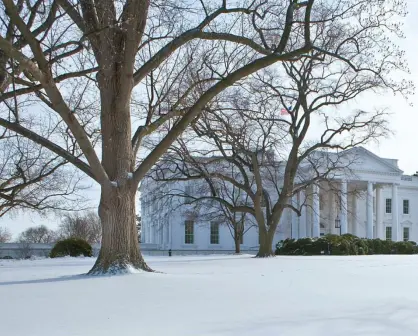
[{"x": 402, "y": 145}]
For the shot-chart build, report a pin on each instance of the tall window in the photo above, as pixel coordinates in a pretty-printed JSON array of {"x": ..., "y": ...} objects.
[
  {"x": 406, "y": 207},
  {"x": 388, "y": 205},
  {"x": 406, "y": 234},
  {"x": 188, "y": 192},
  {"x": 189, "y": 232},
  {"x": 214, "y": 233},
  {"x": 388, "y": 233}
]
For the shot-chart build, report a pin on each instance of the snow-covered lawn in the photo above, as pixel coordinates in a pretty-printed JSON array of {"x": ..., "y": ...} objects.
[{"x": 213, "y": 295}]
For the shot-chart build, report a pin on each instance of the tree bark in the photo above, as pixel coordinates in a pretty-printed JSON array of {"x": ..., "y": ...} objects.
[
  {"x": 120, "y": 248},
  {"x": 266, "y": 241},
  {"x": 119, "y": 251},
  {"x": 237, "y": 241}
]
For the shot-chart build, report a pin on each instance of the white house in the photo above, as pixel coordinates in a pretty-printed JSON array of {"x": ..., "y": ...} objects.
[{"x": 375, "y": 200}]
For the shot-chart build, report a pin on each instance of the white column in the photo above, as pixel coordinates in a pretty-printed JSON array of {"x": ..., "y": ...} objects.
[
  {"x": 344, "y": 208},
  {"x": 302, "y": 218},
  {"x": 295, "y": 231},
  {"x": 332, "y": 215},
  {"x": 315, "y": 212},
  {"x": 147, "y": 230},
  {"x": 379, "y": 213},
  {"x": 170, "y": 233},
  {"x": 165, "y": 233},
  {"x": 356, "y": 230},
  {"x": 369, "y": 202},
  {"x": 395, "y": 213}
]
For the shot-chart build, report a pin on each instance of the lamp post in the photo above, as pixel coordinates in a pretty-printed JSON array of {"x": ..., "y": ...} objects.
[{"x": 338, "y": 223}]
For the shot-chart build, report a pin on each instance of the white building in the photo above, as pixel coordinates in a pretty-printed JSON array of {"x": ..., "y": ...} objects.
[{"x": 375, "y": 201}]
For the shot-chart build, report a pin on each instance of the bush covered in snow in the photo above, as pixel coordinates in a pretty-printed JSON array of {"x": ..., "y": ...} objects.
[
  {"x": 343, "y": 245},
  {"x": 72, "y": 247}
]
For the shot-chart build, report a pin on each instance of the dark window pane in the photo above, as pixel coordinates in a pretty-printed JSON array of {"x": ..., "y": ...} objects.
[
  {"x": 214, "y": 233},
  {"x": 388, "y": 205},
  {"x": 388, "y": 233}
]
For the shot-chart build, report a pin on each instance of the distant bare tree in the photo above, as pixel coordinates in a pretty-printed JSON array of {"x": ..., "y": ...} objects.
[
  {"x": 81, "y": 225},
  {"x": 214, "y": 212},
  {"x": 5, "y": 235},
  {"x": 38, "y": 235},
  {"x": 214, "y": 201},
  {"x": 211, "y": 209}
]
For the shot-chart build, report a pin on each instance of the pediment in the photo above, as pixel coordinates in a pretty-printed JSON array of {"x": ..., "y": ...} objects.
[
  {"x": 407, "y": 222},
  {"x": 364, "y": 160}
]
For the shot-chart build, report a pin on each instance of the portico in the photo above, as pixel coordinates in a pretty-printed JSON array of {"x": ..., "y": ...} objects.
[
  {"x": 336, "y": 201},
  {"x": 342, "y": 206}
]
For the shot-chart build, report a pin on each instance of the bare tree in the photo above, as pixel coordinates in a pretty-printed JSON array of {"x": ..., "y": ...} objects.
[
  {"x": 212, "y": 210},
  {"x": 266, "y": 154},
  {"x": 5, "y": 235},
  {"x": 38, "y": 235},
  {"x": 84, "y": 226},
  {"x": 209, "y": 209},
  {"x": 214, "y": 201},
  {"x": 33, "y": 178},
  {"x": 83, "y": 60}
]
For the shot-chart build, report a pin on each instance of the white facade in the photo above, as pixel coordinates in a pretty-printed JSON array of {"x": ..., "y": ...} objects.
[{"x": 374, "y": 201}]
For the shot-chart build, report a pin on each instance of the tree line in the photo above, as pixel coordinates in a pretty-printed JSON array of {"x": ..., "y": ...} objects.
[
  {"x": 80, "y": 225},
  {"x": 85, "y": 226}
]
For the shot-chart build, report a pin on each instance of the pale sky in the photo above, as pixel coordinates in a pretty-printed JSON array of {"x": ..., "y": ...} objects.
[{"x": 402, "y": 145}]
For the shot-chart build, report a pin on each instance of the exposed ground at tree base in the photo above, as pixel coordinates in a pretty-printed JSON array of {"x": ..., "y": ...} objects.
[
  {"x": 119, "y": 268},
  {"x": 213, "y": 296}
]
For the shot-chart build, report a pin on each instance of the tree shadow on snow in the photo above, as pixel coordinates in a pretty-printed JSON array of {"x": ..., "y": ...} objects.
[{"x": 47, "y": 280}]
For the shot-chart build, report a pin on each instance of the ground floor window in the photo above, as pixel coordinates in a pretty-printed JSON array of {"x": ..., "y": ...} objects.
[
  {"x": 189, "y": 232},
  {"x": 406, "y": 234},
  {"x": 214, "y": 233},
  {"x": 388, "y": 233}
]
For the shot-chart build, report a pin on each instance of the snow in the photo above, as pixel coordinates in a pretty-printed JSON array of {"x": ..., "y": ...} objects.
[{"x": 213, "y": 295}]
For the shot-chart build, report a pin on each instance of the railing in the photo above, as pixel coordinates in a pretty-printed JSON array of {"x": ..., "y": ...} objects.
[{"x": 406, "y": 178}]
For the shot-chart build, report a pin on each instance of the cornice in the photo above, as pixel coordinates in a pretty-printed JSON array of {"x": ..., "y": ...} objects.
[{"x": 376, "y": 172}]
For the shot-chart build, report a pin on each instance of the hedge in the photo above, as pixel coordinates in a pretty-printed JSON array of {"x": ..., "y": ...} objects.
[
  {"x": 72, "y": 247},
  {"x": 343, "y": 245}
]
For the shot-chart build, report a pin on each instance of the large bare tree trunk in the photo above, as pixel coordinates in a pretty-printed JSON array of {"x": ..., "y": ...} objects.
[
  {"x": 237, "y": 241},
  {"x": 266, "y": 241},
  {"x": 237, "y": 238},
  {"x": 120, "y": 248}
]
